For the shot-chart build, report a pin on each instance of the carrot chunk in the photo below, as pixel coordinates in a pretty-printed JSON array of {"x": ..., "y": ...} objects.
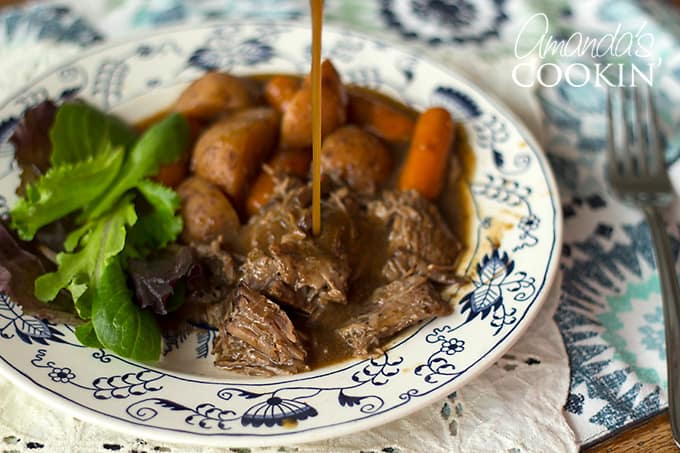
[
  {"x": 285, "y": 161},
  {"x": 426, "y": 161},
  {"x": 378, "y": 117},
  {"x": 280, "y": 90}
]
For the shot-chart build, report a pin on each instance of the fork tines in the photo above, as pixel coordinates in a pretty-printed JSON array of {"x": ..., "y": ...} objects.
[{"x": 632, "y": 142}]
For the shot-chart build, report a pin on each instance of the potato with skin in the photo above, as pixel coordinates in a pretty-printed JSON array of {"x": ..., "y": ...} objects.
[
  {"x": 296, "y": 124},
  {"x": 230, "y": 152},
  {"x": 356, "y": 157},
  {"x": 213, "y": 94},
  {"x": 330, "y": 78},
  {"x": 206, "y": 212}
]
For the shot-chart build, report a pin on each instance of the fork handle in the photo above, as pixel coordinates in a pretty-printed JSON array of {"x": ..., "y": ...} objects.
[{"x": 670, "y": 294}]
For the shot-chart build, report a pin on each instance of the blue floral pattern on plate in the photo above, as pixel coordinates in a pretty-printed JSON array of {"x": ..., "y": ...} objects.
[
  {"x": 494, "y": 277},
  {"x": 184, "y": 397}
]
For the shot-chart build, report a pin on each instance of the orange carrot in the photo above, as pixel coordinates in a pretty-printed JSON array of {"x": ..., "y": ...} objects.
[
  {"x": 280, "y": 90},
  {"x": 378, "y": 117},
  {"x": 292, "y": 162},
  {"x": 426, "y": 161},
  {"x": 287, "y": 161},
  {"x": 172, "y": 174},
  {"x": 260, "y": 193}
]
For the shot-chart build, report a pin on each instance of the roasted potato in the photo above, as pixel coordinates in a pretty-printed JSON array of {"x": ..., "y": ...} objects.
[
  {"x": 207, "y": 213},
  {"x": 230, "y": 152},
  {"x": 296, "y": 124},
  {"x": 330, "y": 78},
  {"x": 213, "y": 94},
  {"x": 356, "y": 157}
]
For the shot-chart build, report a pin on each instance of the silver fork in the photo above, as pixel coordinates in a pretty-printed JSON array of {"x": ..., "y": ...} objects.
[{"x": 636, "y": 172}]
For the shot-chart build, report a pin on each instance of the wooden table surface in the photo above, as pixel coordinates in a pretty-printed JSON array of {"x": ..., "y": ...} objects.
[{"x": 653, "y": 435}]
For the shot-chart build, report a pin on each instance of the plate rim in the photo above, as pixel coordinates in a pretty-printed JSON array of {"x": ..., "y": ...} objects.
[{"x": 90, "y": 415}]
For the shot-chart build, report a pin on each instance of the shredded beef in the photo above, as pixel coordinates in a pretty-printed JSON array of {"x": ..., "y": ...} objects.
[
  {"x": 258, "y": 338},
  {"x": 288, "y": 264},
  {"x": 419, "y": 241},
  {"x": 372, "y": 272},
  {"x": 390, "y": 309}
]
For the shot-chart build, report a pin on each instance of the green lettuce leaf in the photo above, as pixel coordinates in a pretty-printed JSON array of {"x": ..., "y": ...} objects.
[
  {"x": 120, "y": 324},
  {"x": 82, "y": 132},
  {"x": 99, "y": 242},
  {"x": 64, "y": 189},
  {"x": 159, "y": 224},
  {"x": 87, "y": 336},
  {"x": 162, "y": 143},
  {"x": 83, "y": 303},
  {"x": 92, "y": 173}
]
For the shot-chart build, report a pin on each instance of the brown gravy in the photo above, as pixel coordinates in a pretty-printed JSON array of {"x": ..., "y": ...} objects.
[{"x": 315, "y": 81}]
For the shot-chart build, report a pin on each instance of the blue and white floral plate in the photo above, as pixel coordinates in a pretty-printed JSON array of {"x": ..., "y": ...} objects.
[{"x": 516, "y": 239}]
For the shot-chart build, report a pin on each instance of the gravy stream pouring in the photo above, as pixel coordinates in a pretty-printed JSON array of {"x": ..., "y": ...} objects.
[{"x": 315, "y": 80}]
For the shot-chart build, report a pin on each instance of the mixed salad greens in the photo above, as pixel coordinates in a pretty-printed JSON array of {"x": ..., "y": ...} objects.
[{"x": 91, "y": 176}]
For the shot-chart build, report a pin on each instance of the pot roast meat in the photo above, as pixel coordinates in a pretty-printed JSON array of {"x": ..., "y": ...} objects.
[
  {"x": 288, "y": 264},
  {"x": 419, "y": 240},
  {"x": 237, "y": 355},
  {"x": 258, "y": 338},
  {"x": 390, "y": 309},
  {"x": 373, "y": 271},
  {"x": 280, "y": 218},
  {"x": 298, "y": 274},
  {"x": 266, "y": 274}
]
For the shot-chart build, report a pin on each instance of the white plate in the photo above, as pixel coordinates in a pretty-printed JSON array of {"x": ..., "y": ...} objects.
[{"x": 515, "y": 246}]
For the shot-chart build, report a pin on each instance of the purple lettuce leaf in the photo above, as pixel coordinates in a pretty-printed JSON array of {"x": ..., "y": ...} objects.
[
  {"x": 31, "y": 140},
  {"x": 19, "y": 267},
  {"x": 160, "y": 279}
]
